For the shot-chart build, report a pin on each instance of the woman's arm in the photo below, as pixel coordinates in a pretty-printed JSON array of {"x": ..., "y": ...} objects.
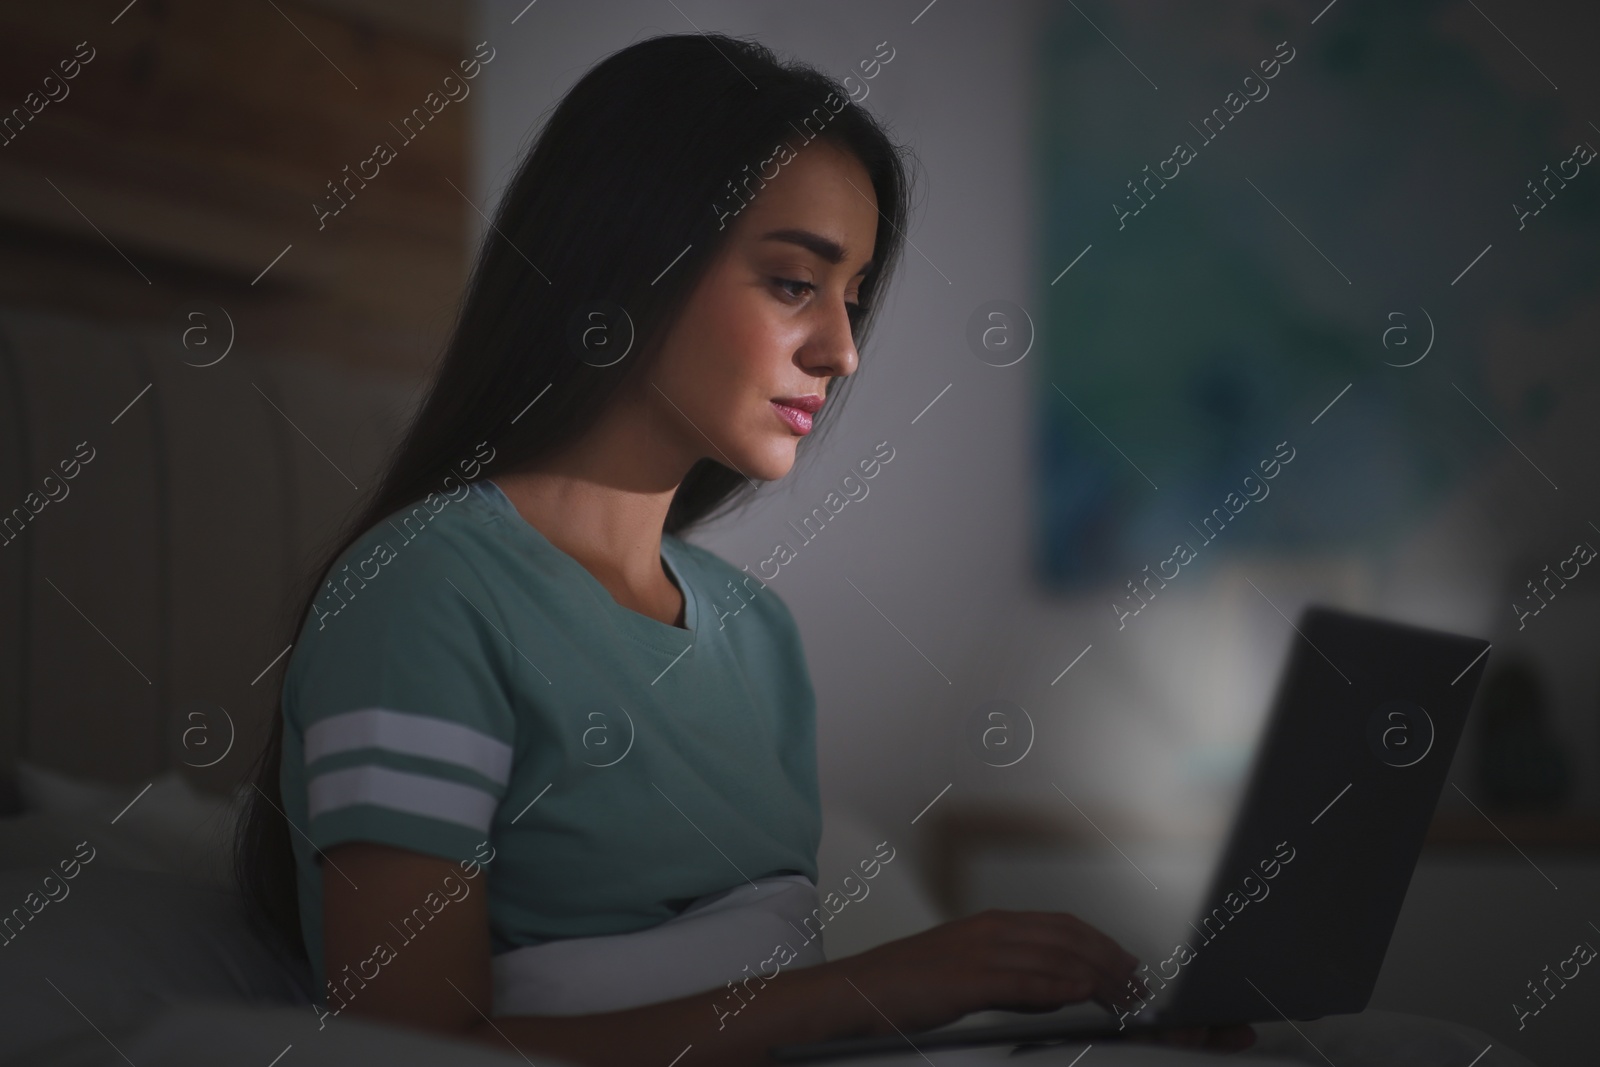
[{"x": 442, "y": 980}]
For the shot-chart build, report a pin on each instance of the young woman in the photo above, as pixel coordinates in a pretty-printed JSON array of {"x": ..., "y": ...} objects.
[{"x": 545, "y": 771}]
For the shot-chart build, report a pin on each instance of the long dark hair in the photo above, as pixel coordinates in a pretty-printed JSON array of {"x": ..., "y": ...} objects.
[{"x": 643, "y": 158}]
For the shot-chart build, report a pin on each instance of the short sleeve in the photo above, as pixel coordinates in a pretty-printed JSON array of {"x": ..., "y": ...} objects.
[{"x": 401, "y": 704}]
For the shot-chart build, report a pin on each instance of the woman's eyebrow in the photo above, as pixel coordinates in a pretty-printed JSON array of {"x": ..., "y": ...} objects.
[{"x": 825, "y": 247}]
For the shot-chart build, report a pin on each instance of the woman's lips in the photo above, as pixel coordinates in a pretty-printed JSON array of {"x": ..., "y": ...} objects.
[{"x": 797, "y": 420}]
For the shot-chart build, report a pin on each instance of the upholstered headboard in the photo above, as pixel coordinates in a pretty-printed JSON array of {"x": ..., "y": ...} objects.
[{"x": 156, "y": 515}]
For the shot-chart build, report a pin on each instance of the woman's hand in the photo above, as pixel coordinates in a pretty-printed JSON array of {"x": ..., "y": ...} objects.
[
  {"x": 1026, "y": 961},
  {"x": 1006, "y": 960}
]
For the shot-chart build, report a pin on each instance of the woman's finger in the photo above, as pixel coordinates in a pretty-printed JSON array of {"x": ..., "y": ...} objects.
[
  {"x": 1070, "y": 934},
  {"x": 1053, "y": 959}
]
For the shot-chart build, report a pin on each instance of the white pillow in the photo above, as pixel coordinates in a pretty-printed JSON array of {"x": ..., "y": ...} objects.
[
  {"x": 45, "y": 790},
  {"x": 119, "y": 945},
  {"x": 171, "y": 827}
]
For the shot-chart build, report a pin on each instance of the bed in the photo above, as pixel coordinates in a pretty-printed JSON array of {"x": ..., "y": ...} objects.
[{"x": 142, "y": 955}]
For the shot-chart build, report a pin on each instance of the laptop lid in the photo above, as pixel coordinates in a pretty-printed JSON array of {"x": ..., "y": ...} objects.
[{"x": 1309, "y": 887}]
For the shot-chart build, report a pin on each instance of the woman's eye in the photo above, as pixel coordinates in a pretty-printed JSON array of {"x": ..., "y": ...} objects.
[
  {"x": 784, "y": 283},
  {"x": 796, "y": 289}
]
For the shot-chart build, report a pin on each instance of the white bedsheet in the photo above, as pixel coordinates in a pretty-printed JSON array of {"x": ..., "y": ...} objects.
[
  {"x": 129, "y": 954},
  {"x": 203, "y": 1035},
  {"x": 722, "y": 937}
]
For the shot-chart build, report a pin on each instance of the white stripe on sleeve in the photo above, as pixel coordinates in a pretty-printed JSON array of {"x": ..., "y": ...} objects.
[
  {"x": 411, "y": 735},
  {"x": 411, "y": 794}
]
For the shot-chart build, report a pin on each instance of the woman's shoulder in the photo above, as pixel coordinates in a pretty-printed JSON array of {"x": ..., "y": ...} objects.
[{"x": 412, "y": 558}]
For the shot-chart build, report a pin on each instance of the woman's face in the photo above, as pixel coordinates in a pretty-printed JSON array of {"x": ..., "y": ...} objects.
[{"x": 771, "y": 319}]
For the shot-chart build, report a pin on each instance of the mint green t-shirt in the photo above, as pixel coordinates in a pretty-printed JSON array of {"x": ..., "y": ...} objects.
[{"x": 465, "y": 689}]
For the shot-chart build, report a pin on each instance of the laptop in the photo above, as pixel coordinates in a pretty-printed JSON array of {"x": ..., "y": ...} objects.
[{"x": 1300, "y": 910}]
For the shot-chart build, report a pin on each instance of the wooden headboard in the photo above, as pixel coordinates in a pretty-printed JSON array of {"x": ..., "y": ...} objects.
[
  {"x": 161, "y": 201},
  {"x": 157, "y": 515}
]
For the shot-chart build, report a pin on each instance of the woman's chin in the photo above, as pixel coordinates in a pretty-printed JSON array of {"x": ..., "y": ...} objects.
[{"x": 772, "y": 462}]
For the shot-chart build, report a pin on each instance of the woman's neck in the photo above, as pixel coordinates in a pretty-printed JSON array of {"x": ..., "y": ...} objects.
[{"x": 614, "y": 531}]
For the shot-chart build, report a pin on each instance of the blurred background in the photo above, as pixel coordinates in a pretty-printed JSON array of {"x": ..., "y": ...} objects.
[{"x": 1155, "y": 244}]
